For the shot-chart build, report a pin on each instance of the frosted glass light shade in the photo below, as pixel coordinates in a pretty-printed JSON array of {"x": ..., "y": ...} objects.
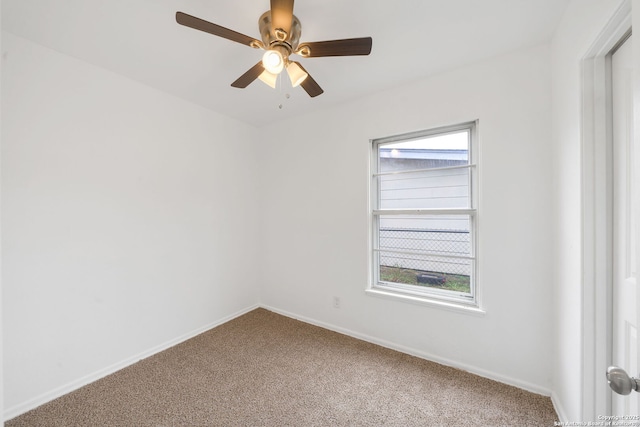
[
  {"x": 296, "y": 74},
  {"x": 273, "y": 61},
  {"x": 269, "y": 78}
]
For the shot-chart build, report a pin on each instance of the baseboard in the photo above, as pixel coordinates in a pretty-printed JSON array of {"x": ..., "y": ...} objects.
[
  {"x": 562, "y": 415},
  {"x": 17, "y": 410},
  {"x": 418, "y": 353}
]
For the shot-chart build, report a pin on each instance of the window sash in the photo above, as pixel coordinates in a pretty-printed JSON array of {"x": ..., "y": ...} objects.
[
  {"x": 436, "y": 211},
  {"x": 471, "y": 212},
  {"x": 426, "y": 291},
  {"x": 446, "y": 295},
  {"x": 426, "y": 253},
  {"x": 444, "y": 168}
]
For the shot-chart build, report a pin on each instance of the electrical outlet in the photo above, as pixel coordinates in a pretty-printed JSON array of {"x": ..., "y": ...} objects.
[{"x": 336, "y": 302}]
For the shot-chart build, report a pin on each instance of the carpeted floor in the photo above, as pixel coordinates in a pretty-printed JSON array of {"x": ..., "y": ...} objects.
[{"x": 263, "y": 369}]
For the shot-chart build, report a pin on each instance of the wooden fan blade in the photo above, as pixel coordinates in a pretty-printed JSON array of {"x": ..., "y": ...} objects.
[
  {"x": 216, "y": 30},
  {"x": 281, "y": 14},
  {"x": 343, "y": 47},
  {"x": 247, "y": 78},
  {"x": 309, "y": 85}
]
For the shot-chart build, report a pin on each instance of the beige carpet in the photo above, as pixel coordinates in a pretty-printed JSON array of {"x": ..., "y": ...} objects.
[{"x": 263, "y": 369}]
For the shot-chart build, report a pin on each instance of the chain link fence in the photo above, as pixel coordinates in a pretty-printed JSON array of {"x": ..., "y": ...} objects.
[{"x": 438, "y": 244}]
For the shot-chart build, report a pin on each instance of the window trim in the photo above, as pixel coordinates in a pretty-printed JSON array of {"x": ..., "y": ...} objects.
[{"x": 468, "y": 303}]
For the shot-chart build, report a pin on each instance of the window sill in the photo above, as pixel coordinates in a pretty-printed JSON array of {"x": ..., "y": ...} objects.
[{"x": 426, "y": 301}]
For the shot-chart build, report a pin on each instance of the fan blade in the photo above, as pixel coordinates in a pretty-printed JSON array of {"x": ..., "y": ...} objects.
[
  {"x": 281, "y": 14},
  {"x": 247, "y": 78},
  {"x": 343, "y": 47},
  {"x": 216, "y": 30},
  {"x": 309, "y": 85}
]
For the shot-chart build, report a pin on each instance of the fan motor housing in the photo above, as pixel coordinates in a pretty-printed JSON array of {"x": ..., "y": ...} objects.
[{"x": 276, "y": 37}]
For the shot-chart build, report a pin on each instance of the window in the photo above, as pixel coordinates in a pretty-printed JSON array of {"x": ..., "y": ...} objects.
[{"x": 423, "y": 208}]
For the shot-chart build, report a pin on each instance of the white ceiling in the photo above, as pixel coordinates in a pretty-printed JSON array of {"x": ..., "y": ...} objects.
[{"x": 411, "y": 39}]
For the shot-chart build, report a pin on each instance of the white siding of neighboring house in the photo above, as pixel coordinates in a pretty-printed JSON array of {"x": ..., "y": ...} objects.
[{"x": 438, "y": 188}]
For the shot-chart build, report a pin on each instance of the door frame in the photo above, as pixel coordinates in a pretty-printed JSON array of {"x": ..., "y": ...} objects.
[{"x": 597, "y": 229}]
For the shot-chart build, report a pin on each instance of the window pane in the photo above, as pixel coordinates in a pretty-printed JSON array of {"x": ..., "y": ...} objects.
[
  {"x": 451, "y": 274},
  {"x": 425, "y": 189},
  {"x": 442, "y": 235},
  {"x": 434, "y": 151}
]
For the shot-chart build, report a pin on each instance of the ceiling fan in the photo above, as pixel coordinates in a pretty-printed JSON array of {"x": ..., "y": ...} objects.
[{"x": 280, "y": 32}]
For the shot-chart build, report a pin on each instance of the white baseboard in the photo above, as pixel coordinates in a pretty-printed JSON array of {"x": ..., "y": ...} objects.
[
  {"x": 19, "y": 409},
  {"x": 557, "y": 405},
  {"x": 418, "y": 353}
]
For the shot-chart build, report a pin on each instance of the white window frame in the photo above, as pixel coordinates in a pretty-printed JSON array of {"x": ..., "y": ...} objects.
[{"x": 411, "y": 293}]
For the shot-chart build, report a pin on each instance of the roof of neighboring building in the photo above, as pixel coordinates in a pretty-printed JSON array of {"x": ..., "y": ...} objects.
[{"x": 417, "y": 153}]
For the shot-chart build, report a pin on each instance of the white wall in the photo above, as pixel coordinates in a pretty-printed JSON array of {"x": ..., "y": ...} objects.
[
  {"x": 582, "y": 22},
  {"x": 315, "y": 220},
  {"x": 128, "y": 221}
]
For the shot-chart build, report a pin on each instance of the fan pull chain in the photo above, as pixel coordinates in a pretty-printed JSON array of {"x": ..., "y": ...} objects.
[{"x": 280, "y": 89}]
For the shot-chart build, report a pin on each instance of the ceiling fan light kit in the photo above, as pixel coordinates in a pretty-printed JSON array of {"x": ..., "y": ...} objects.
[
  {"x": 268, "y": 78},
  {"x": 273, "y": 61},
  {"x": 280, "y": 32},
  {"x": 296, "y": 74}
]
